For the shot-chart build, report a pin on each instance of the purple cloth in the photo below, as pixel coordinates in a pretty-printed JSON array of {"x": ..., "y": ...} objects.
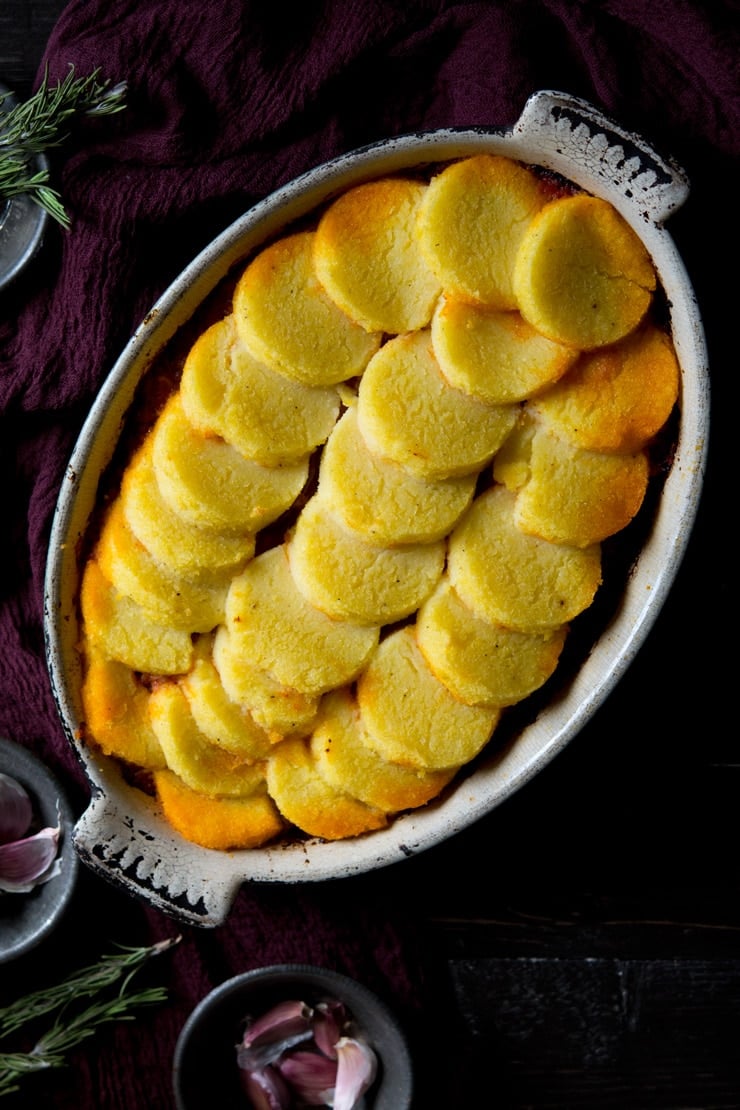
[{"x": 226, "y": 102}]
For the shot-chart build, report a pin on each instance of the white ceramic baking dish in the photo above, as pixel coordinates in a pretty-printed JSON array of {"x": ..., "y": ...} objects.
[{"x": 122, "y": 834}]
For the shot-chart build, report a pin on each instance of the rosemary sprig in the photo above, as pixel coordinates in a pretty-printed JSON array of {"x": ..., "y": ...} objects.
[
  {"x": 68, "y": 1031},
  {"x": 40, "y": 123},
  {"x": 49, "y": 1051},
  {"x": 81, "y": 984}
]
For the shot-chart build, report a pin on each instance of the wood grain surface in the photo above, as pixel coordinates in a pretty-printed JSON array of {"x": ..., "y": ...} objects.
[{"x": 24, "y": 29}]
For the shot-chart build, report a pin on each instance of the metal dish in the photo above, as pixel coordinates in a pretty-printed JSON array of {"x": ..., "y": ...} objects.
[
  {"x": 27, "y": 919},
  {"x": 216, "y": 1024},
  {"x": 122, "y": 835},
  {"x": 22, "y": 223}
]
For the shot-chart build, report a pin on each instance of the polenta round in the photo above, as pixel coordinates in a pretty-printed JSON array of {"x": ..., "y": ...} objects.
[
  {"x": 582, "y": 276},
  {"x": 349, "y": 578}
]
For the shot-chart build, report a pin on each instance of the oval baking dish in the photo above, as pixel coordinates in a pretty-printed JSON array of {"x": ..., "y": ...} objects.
[{"x": 122, "y": 834}]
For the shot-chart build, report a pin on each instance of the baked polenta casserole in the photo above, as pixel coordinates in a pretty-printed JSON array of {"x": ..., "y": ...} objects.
[{"x": 357, "y": 525}]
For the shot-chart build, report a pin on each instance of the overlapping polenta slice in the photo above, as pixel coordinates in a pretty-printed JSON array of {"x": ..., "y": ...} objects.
[
  {"x": 344, "y": 759},
  {"x": 223, "y": 721},
  {"x": 167, "y": 598},
  {"x": 616, "y": 398},
  {"x": 480, "y": 661},
  {"x": 412, "y": 718},
  {"x": 116, "y": 709},
  {"x": 199, "y": 554},
  {"x": 573, "y": 496},
  {"x": 444, "y": 431},
  {"x": 121, "y": 630},
  {"x": 582, "y": 276},
  {"x": 514, "y": 579},
  {"x": 279, "y": 631},
  {"x": 221, "y": 823},
  {"x": 202, "y": 765},
  {"x": 494, "y": 355},
  {"x": 471, "y": 223},
  {"x": 279, "y": 709},
  {"x": 266, "y": 416},
  {"x": 367, "y": 256},
  {"x": 349, "y": 578},
  {"x": 286, "y": 319},
  {"x": 210, "y": 484},
  {"x": 308, "y": 801},
  {"x": 383, "y": 500}
]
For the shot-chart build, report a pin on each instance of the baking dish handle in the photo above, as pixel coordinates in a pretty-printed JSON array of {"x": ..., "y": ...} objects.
[
  {"x": 150, "y": 863},
  {"x": 571, "y": 131}
]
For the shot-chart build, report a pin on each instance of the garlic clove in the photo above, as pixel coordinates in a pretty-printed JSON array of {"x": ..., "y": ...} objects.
[
  {"x": 357, "y": 1067},
  {"x": 329, "y": 1021},
  {"x": 26, "y": 863},
  {"x": 15, "y": 809},
  {"x": 277, "y": 1031},
  {"x": 266, "y": 1089},
  {"x": 312, "y": 1077},
  {"x": 282, "y": 1020}
]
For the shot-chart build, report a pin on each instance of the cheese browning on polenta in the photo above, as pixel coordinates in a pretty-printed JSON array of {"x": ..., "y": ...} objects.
[{"x": 362, "y": 523}]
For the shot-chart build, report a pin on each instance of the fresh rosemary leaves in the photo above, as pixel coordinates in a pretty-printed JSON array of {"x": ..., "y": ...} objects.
[
  {"x": 42, "y": 122},
  {"x": 70, "y": 1029}
]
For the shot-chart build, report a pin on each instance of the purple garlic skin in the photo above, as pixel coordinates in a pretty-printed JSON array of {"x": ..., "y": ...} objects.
[{"x": 26, "y": 860}]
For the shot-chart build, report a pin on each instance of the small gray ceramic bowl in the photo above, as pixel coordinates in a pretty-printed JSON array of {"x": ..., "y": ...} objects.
[
  {"x": 22, "y": 222},
  {"x": 205, "y": 1071},
  {"x": 26, "y": 919}
]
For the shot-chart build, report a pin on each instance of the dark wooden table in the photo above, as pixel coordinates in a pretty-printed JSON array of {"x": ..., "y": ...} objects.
[{"x": 590, "y": 926}]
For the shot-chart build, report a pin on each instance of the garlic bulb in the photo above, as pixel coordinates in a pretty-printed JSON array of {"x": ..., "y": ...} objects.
[{"x": 297, "y": 1055}]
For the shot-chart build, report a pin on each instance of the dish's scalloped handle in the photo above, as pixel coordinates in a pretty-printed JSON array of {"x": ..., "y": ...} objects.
[
  {"x": 177, "y": 877},
  {"x": 570, "y": 130}
]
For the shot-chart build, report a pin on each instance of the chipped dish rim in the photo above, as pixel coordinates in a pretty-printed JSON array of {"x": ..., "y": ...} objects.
[{"x": 122, "y": 835}]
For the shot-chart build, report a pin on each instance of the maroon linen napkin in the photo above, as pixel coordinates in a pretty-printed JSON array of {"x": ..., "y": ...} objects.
[{"x": 227, "y": 101}]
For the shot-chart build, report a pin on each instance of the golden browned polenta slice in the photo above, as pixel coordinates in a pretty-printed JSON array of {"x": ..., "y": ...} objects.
[
  {"x": 483, "y": 663},
  {"x": 201, "y": 764},
  {"x": 275, "y": 707},
  {"x": 211, "y": 484},
  {"x": 582, "y": 276},
  {"x": 279, "y": 631},
  {"x": 367, "y": 257},
  {"x": 412, "y": 718},
  {"x": 514, "y": 579},
  {"x": 116, "y": 708},
  {"x": 223, "y": 824},
  {"x": 617, "y": 398},
  {"x": 268, "y": 417},
  {"x": 167, "y": 598},
  {"x": 285, "y": 318},
  {"x": 345, "y": 761},
  {"x": 471, "y": 222},
  {"x": 493, "y": 355},
  {"x": 578, "y": 497},
  {"x": 221, "y": 720},
  {"x": 383, "y": 500},
  {"x": 200, "y": 554},
  {"x": 307, "y": 800},
  {"x": 409, "y": 413},
  {"x": 121, "y": 629},
  {"x": 350, "y": 578}
]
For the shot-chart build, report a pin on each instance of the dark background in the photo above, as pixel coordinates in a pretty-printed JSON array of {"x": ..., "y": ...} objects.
[{"x": 587, "y": 933}]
